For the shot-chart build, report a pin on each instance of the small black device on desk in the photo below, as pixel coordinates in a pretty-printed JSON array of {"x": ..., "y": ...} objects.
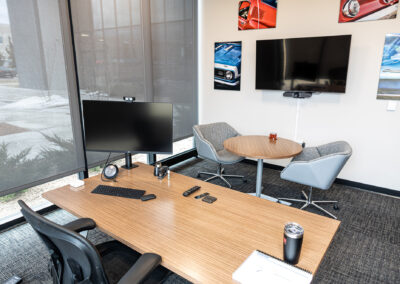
[
  {"x": 202, "y": 195},
  {"x": 148, "y": 197},
  {"x": 209, "y": 199},
  {"x": 157, "y": 168},
  {"x": 191, "y": 190},
  {"x": 119, "y": 191},
  {"x": 162, "y": 172}
]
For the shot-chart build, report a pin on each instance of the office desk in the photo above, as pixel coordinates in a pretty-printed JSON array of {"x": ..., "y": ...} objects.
[{"x": 202, "y": 242}]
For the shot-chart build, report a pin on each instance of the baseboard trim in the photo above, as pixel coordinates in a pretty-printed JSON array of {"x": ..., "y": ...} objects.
[{"x": 363, "y": 186}]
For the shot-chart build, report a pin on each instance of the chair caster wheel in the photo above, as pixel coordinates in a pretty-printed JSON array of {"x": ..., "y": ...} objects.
[
  {"x": 245, "y": 180},
  {"x": 198, "y": 175},
  {"x": 336, "y": 207}
]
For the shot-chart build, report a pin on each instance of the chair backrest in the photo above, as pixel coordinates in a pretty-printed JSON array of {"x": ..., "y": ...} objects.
[
  {"x": 335, "y": 148},
  {"x": 215, "y": 133},
  {"x": 318, "y": 166},
  {"x": 75, "y": 259}
]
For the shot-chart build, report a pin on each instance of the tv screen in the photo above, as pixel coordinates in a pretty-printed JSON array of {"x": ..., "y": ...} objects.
[
  {"x": 316, "y": 64},
  {"x": 136, "y": 127}
]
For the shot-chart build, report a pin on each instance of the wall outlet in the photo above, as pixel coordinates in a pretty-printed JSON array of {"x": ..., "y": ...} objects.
[{"x": 392, "y": 106}]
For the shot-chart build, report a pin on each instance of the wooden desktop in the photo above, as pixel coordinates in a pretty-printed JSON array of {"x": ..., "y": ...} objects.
[{"x": 204, "y": 243}]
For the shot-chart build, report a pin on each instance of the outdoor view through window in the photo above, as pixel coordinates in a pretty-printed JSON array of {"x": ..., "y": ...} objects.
[
  {"x": 140, "y": 48},
  {"x": 36, "y": 136}
]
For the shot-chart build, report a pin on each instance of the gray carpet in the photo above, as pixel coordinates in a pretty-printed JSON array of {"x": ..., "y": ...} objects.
[{"x": 366, "y": 249}]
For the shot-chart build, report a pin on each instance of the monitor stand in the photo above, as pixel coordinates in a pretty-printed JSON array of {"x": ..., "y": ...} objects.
[{"x": 128, "y": 162}]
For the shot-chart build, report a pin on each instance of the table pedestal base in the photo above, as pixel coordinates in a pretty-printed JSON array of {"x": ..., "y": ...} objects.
[
  {"x": 270, "y": 198},
  {"x": 260, "y": 166}
]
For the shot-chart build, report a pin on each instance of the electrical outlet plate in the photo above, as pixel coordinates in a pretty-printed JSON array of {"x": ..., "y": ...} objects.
[{"x": 392, "y": 106}]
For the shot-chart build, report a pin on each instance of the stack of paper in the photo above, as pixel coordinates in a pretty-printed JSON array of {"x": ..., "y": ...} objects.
[{"x": 260, "y": 268}]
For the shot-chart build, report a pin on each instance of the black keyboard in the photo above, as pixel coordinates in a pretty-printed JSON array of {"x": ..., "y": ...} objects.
[{"x": 119, "y": 191}]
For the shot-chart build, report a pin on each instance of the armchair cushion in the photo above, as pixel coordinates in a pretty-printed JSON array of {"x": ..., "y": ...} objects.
[
  {"x": 228, "y": 158},
  {"x": 307, "y": 154}
]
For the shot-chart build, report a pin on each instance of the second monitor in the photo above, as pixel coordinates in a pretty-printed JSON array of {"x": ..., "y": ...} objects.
[{"x": 113, "y": 126}]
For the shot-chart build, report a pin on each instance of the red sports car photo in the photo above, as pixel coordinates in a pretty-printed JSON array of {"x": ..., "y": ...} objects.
[
  {"x": 367, "y": 10},
  {"x": 257, "y": 14}
]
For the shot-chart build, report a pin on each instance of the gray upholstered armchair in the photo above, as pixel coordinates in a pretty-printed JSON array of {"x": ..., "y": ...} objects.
[
  {"x": 209, "y": 139},
  {"x": 317, "y": 167}
]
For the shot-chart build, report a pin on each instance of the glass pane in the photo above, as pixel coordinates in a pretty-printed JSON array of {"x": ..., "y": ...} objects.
[
  {"x": 108, "y": 13},
  {"x": 110, "y": 59},
  {"x": 36, "y": 133},
  {"x": 111, "y": 56},
  {"x": 123, "y": 13},
  {"x": 173, "y": 60},
  {"x": 179, "y": 147}
]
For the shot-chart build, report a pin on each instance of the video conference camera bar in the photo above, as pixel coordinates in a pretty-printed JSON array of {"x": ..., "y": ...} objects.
[{"x": 298, "y": 95}]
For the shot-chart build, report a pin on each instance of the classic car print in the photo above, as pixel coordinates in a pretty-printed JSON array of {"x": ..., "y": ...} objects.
[
  {"x": 227, "y": 65},
  {"x": 367, "y": 10},
  {"x": 257, "y": 14},
  {"x": 389, "y": 79}
]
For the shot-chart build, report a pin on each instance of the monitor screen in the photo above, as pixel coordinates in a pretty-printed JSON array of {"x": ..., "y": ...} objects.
[
  {"x": 136, "y": 127},
  {"x": 316, "y": 64}
]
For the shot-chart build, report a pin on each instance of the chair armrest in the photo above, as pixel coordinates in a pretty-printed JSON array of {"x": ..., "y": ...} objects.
[
  {"x": 82, "y": 224},
  {"x": 141, "y": 269}
]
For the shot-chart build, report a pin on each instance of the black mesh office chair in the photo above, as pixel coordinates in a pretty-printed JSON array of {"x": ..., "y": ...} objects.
[{"x": 75, "y": 260}]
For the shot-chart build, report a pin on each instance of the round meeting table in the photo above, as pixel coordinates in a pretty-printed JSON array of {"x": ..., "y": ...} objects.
[{"x": 260, "y": 147}]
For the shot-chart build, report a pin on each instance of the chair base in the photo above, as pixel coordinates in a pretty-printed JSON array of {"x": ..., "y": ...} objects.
[
  {"x": 309, "y": 202},
  {"x": 220, "y": 174}
]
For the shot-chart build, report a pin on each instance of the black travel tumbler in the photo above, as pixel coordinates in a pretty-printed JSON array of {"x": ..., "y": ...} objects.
[{"x": 292, "y": 241}]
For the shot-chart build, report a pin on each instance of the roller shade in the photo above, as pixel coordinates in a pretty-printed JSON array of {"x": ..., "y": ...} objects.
[{"x": 139, "y": 48}]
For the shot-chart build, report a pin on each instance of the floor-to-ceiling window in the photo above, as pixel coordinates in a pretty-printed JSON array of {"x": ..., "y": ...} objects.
[
  {"x": 139, "y": 48},
  {"x": 39, "y": 139}
]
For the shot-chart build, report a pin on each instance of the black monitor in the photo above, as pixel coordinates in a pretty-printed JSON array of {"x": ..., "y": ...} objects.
[
  {"x": 314, "y": 64},
  {"x": 126, "y": 127}
]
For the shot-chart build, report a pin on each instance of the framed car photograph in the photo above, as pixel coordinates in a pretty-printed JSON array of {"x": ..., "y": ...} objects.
[
  {"x": 227, "y": 65},
  {"x": 257, "y": 14},
  {"x": 367, "y": 10},
  {"x": 389, "y": 78}
]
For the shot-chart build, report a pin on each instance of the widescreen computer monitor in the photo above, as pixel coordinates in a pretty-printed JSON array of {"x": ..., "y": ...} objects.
[{"x": 126, "y": 127}]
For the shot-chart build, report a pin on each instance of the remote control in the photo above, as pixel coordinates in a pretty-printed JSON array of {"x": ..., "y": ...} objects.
[
  {"x": 201, "y": 195},
  {"x": 191, "y": 190}
]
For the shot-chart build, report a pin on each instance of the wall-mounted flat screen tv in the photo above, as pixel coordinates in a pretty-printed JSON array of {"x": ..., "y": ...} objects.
[{"x": 314, "y": 64}]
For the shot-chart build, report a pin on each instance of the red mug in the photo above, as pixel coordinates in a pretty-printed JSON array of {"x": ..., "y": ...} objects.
[{"x": 273, "y": 136}]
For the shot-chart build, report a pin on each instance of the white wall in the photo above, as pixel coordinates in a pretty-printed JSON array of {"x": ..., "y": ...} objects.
[{"x": 357, "y": 116}]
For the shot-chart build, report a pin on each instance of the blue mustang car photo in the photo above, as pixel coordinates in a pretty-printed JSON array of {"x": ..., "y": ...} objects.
[
  {"x": 227, "y": 68},
  {"x": 389, "y": 83}
]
